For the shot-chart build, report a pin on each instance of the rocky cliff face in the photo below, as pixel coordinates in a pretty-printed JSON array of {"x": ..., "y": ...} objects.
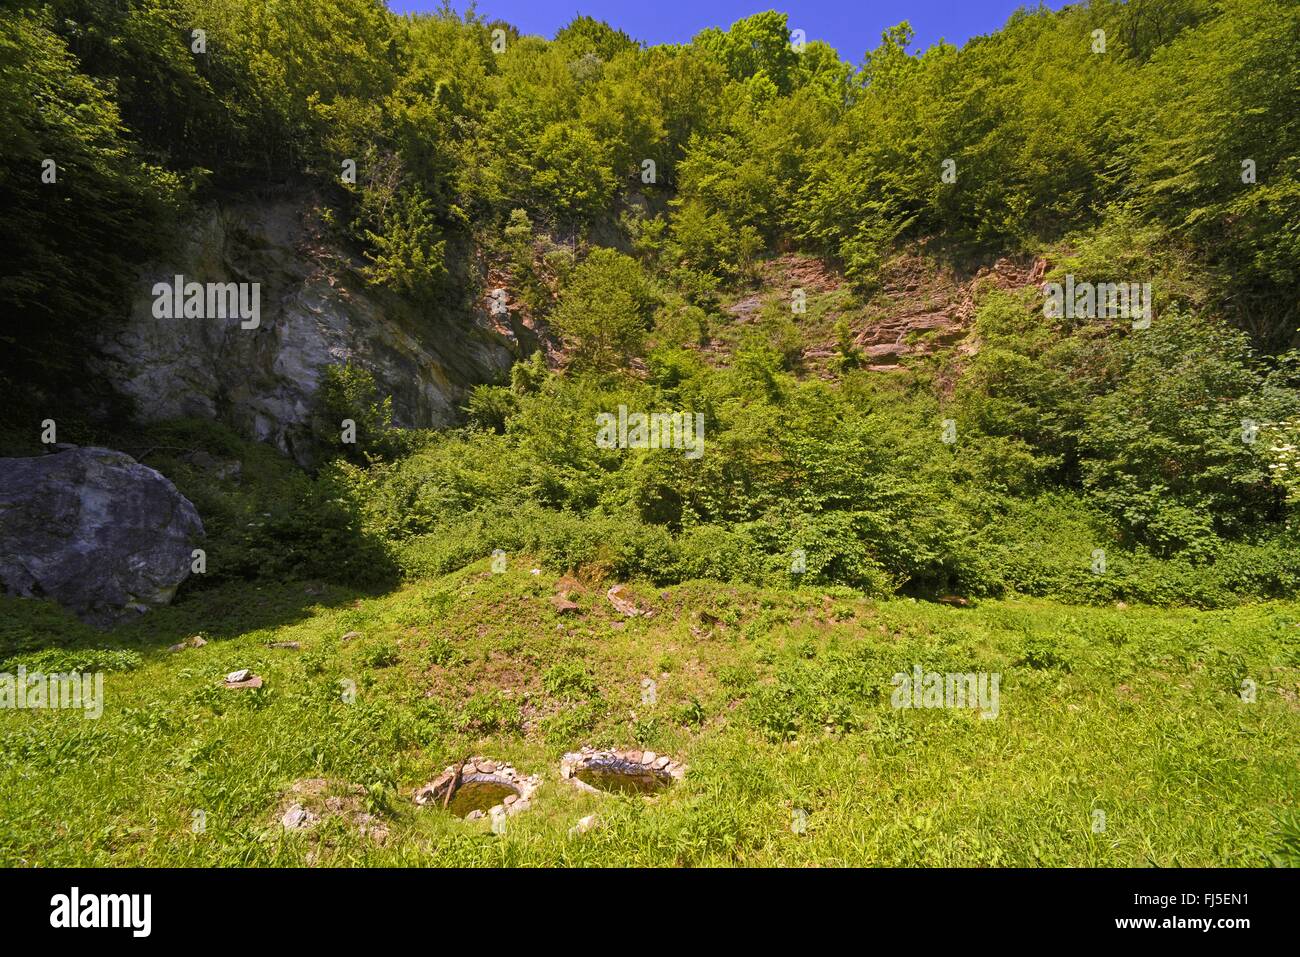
[
  {"x": 94, "y": 530},
  {"x": 315, "y": 311}
]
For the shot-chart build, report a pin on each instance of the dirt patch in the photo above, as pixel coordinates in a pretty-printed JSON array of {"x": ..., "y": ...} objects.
[{"x": 311, "y": 802}]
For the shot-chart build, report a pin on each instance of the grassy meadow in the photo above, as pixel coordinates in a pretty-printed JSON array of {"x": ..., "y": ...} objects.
[{"x": 777, "y": 699}]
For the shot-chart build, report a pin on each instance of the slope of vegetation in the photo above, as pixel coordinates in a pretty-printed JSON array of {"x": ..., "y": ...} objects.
[
  {"x": 624, "y": 195},
  {"x": 839, "y": 266}
]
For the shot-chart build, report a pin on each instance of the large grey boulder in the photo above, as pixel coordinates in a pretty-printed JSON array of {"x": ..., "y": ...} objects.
[{"x": 95, "y": 531}]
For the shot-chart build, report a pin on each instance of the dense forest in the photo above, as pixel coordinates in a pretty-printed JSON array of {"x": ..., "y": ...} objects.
[{"x": 628, "y": 193}]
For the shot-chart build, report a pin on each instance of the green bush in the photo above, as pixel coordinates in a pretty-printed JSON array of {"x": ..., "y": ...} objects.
[
  {"x": 605, "y": 310},
  {"x": 348, "y": 393},
  {"x": 569, "y": 680},
  {"x": 1163, "y": 450}
]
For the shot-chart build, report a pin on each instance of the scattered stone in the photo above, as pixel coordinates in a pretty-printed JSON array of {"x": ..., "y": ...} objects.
[
  {"x": 351, "y": 635},
  {"x": 617, "y": 598},
  {"x": 956, "y": 601},
  {"x": 291, "y": 645},
  {"x": 298, "y": 818},
  {"x": 510, "y": 799},
  {"x": 196, "y": 641},
  {"x": 486, "y": 767},
  {"x": 661, "y": 763},
  {"x": 370, "y": 826},
  {"x": 475, "y": 816},
  {"x": 564, "y": 605},
  {"x": 584, "y": 825},
  {"x": 649, "y": 757},
  {"x": 243, "y": 678},
  {"x": 311, "y": 801}
]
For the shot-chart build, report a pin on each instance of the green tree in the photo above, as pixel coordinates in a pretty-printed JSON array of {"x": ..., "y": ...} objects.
[{"x": 605, "y": 310}]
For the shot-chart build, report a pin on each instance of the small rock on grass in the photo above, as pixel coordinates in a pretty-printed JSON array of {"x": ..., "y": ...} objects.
[
  {"x": 243, "y": 678},
  {"x": 291, "y": 645},
  {"x": 584, "y": 825},
  {"x": 298, "y": 818},
  {"x": 351, "y": 635},
  {"x": 624, "y": 605},
  {"x": 564, "y": 605}
]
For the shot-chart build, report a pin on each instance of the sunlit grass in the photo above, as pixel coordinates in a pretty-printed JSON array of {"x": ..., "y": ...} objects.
[{"x": 776, "y": 699}]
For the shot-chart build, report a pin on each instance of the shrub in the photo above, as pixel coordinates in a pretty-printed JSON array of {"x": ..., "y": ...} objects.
[
  {"x": 569, "y": 680},
  {"x": 1163, "y": 450},
  {"x": 349, "y": 392},
  {"x": 605, "y": 310}
]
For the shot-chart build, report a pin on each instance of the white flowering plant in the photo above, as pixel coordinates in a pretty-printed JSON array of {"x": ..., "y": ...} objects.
[{"x": 1283, "y": 447}]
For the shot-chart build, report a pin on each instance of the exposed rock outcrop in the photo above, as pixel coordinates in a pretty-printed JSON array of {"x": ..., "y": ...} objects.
[
  {"x": 315, "y": 311},
  {"x": 94, "y": 530},
  {"x": 921, "y": 309},
  {"x": 928, "y": 311}
]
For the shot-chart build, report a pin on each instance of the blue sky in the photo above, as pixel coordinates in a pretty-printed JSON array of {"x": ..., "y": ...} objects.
[{"x": 851, "y": 26}]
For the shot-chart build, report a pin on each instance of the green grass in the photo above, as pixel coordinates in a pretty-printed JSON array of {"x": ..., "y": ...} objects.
[{"x": 776, "y": 699}]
